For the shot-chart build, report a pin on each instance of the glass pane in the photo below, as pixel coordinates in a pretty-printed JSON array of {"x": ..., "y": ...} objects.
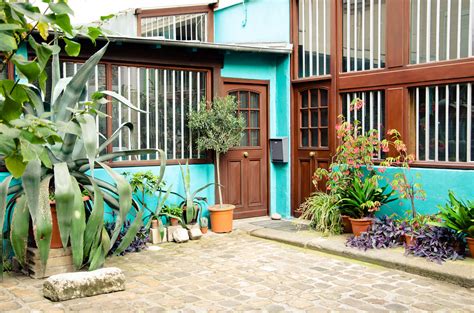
[
  {"x": 245, "y": 115},
  {"x": 314, "y": 137},
  {"x": 254, "y": 137},
  {"x": 314, "y": 98},
  {"x": 254, "y": 100},
  {"x": 254, "y": 119},
  {"x": 304, "y": 118},
  {"x": 244, "y": 99},
  {"x": 324, "y": 137},
  {"x": 314, "y": 118},
  {"x": 324, "y": 97},
  {"x": 304, "y": 138},
  {"x": 245, "y": 139},
  {"x": 324, "y": 117},
  {"x": 304, "y": 99},
  {"x": 234, "y": 94}
]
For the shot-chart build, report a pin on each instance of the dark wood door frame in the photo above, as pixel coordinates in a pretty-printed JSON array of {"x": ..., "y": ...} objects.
[{"x": 266, "y": 145}]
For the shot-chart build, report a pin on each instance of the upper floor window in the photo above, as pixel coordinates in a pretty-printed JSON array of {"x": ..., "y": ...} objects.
[
  {"x": 443, "y": 122},
  {"x": 363, "y": 44},
  {"x": 440, "y": 30},
  {"x": 314, "y": 38},
  {"x": 188, "y": 23}
]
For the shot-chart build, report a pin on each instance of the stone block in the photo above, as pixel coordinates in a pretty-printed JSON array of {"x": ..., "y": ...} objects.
[
  {"x": 276, "y": 217},
  {"x": 170, "y": 230},
  {"x": 194, "y": 233},
  {"x": 180, "y": 235},
  {"x": 68, "y": 286}
]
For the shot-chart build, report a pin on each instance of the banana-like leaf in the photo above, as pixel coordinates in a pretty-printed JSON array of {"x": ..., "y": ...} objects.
[
  {"x": 3, "y": 204},
  {"x": 95, "y": 222},
  {"x": 89, "y": 136},
  {"x": 64, "y": 195},
  {"x": 78, "y": 226},
  {"x": 72, "y": 92},
  {"x": 116, "y": 133},
  {"x": 122, "y": 99},
  {"x": 131, "y": 233},
  {"x": 19, "y": 229},
  {"x": 125, "y": 200}
]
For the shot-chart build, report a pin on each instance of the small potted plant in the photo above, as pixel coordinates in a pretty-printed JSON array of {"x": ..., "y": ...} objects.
[
  {"x": 458, "y": 215},
  {"x": 174, "y": 213},
  {"x": 219, "y": 128},
  {"x": 362, "y": 199},
  {"x": 204, "y": 222}
]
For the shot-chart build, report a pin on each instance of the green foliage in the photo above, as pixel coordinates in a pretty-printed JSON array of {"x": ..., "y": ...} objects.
[
  {"x": 323, "y": 211},
  {"x": 457, "y": 215},
  {"x": 173, "y": 210},
  {"x": 218, "y": 127},
  {"x": 363, "y": 197},
  {"x": 59, "y": 152}
]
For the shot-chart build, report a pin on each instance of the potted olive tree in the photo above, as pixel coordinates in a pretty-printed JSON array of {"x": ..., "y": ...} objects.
[{"x": 219, "y": 128}]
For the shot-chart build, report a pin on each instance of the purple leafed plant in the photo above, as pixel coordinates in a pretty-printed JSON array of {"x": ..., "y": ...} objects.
[
  {"x": 384, "y": 233},
  {"x": 138, "y": 243},
  {"x": 437, "y": 244}
]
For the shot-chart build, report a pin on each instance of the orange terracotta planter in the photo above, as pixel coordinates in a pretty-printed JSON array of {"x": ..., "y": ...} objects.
[
  {"x": 470, "y": 244},
  {"x": 204, "y": 230},
  {"x": 222, "y": 218},
  {"x": 410, "y": 240},
  {"x": 360, "y": 225},
  {"x": 55, "y": 235}
]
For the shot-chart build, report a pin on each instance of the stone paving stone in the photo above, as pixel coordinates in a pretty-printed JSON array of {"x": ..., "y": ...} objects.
[{"x": 236, "y": 272}]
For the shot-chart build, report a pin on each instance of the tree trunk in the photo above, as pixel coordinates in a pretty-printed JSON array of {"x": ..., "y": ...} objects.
[{"x": 219, "y": 178}]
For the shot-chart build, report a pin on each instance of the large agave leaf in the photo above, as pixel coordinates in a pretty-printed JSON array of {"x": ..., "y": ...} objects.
[
  {"x": 131, "y": 233},
  {"x": 64, "y": 195},
  {"x": 89, "y": 136},
  {"x": 95, "y": 222},
  {"x": 186, "y": 176},
  {"x": 19, "y": 229},
  {"x": 42, "y": 227},
  {"x": 3, "y": 204},
  {"x": 116, "y": 133},
  {"x": 78, "y": 226},
  {"x": 72, "y": 92},
  {"x": 122, "y": 99},
  {"x": 125, "y": 199}
]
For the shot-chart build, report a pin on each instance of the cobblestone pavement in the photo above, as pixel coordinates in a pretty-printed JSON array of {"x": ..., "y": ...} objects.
[{"x": 237, "y": 272}]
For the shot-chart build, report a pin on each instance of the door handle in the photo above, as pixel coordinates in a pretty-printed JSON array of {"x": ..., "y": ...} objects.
[
  {"x": 311, "y": 154},
  {"x": 246, "y": 154}
]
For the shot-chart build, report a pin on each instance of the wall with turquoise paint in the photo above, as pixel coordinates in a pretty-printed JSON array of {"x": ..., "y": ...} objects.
[
  {"x": 436, "y": 183},
  {"x": 201, "y": 174},
  {"x": 253, "y": 21},
  {"x": 275, "y": 69}
]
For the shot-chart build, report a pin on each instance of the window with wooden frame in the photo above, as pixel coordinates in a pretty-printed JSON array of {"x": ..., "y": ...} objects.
[
  {"x": 183, "y": 23},
  {"x": 443, "y": 122},
  {"x": 167, "y": 94},
  {"x": 363, "y": 31},
  {"x": 314, "y": 118},
  {"x": 314, "y": 38},
  {"x": 440, "y": 30},
  {"x": 249, "y": 109}
]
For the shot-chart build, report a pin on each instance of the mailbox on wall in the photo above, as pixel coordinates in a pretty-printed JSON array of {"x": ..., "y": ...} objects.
[{"x": 279, "y": 149}]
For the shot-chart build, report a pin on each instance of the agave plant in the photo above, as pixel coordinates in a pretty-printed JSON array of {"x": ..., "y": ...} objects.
[{"x": 63, "y": 163}]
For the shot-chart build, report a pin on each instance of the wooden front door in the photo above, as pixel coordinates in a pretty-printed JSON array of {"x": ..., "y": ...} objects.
[
  {"x": 245, "y": 168},
  {"x": 311, "y": 139}
]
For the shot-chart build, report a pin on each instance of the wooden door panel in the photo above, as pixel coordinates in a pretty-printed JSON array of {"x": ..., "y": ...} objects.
[
  {"x": 304, "y": 176},
  {"x": 235, "y": 171},
  {"x": 255, "y": 194},
  {"x": 245, "y": 168}
]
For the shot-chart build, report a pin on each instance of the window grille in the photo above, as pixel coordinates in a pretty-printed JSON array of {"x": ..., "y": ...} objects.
[
  {"x": 363, "y": 35},
  {"x": 176, "y": 27}
]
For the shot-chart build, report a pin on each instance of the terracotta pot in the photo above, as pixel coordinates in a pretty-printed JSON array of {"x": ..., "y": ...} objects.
[
  {"x": 204, "y": 230},
  {"x": 360, "y": 225},
  {"x": 174, "y": 221},
  {"x": 470, "y": 244},
  {"x": 154, "y": 224},
  {"x": 55, "y": 235},
  {"x": 410, "y": 240},
  {"x": 346, "y": 224},
  {"x": 222, "y": 218}
]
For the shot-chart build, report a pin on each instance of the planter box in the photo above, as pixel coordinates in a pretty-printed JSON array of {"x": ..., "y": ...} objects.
[{"x": 59, "y": 262}]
